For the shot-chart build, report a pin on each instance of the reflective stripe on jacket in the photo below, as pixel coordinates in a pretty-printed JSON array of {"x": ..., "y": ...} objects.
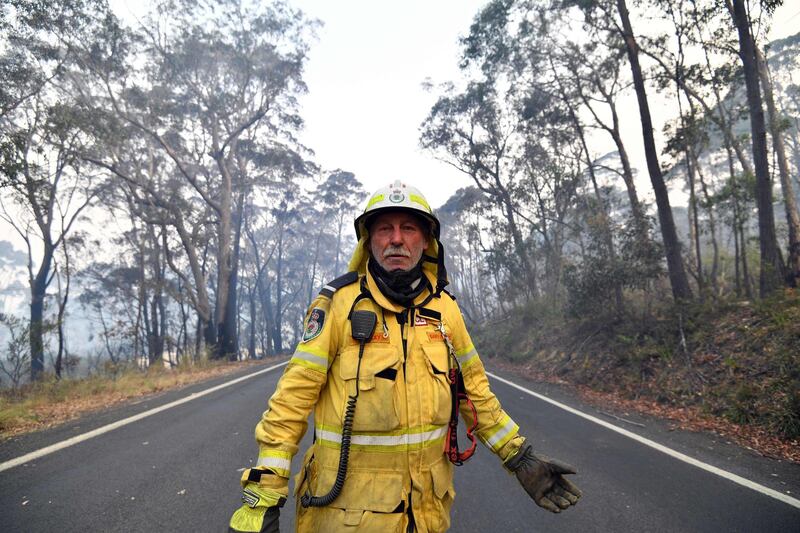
[{"x": 397, "y": 460}]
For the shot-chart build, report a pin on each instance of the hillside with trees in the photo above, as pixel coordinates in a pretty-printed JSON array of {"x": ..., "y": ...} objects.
[{"x": 590, "y": 283}]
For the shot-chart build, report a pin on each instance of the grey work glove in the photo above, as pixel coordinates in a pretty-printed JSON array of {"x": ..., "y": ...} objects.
[{"x": 543, "y": 479}]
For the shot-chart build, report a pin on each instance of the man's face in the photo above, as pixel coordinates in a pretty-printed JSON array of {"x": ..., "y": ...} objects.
[{"x": 397, "y": 240}]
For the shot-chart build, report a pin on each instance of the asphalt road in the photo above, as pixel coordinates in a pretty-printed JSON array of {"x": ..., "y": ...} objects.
[{"x": 177, "y": 470}]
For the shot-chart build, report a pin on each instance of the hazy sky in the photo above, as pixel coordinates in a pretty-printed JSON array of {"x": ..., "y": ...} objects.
[
  {"x": 366, "y": 101},
  {"x": 365, "y": 74}
]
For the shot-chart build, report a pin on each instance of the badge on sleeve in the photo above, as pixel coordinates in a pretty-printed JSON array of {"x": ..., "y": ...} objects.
[{"x": 314, "y": 324}]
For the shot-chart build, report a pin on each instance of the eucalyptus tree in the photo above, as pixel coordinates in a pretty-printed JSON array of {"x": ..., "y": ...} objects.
[
  {"x": 724, "y": 29},
  {"x": 772, "y": 268},
  {"x": 340, "y": 195},
  {"x": 789, "y": 199},
  {"x": 465, "y": 239},
  {"x": 45, "y": 185},
  {"x": 594, "y": 72},
  {"x": 477, "y": 131},
  {"x": 217, "y": 77},
  {"x": 613, "y": 16},
  {"x": 709, "y": 88}
]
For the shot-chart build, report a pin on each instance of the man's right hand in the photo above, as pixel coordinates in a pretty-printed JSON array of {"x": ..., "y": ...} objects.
[{"x": 260, "y": 511}]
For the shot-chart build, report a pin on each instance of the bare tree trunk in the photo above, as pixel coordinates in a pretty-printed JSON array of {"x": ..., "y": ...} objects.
[
  {"x": 38, "y": 286},
  {"x": 772, "y": 272},
  {"x": 225, "y": 267},
  {"x": 277, "y": 333},
  {"x": 677, "y": 274},
  {"x": 251, "y": 343},
  {"x": 748, "y": 285},
  {"x": 694, "y": 222},
  {"x": 62, "y": 306},
  {"x": 183, "y": 334},
  {"x": 789, "y": 200},
  {"x": 737, "y": 252},
  {"x": 519, "y": 244},
  {"x": 712, "y": 225},
  {"x": 229, "y": 340}
]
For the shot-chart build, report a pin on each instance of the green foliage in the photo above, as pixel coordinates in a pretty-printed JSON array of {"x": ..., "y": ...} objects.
[
  {"x": 590, "y": 285},
  {"x": 742, "y": 404},
  {"x": 16, "y": 353}
]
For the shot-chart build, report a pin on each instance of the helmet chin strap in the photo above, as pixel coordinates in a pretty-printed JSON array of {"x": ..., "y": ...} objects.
[{"x": 441, "y": 272}]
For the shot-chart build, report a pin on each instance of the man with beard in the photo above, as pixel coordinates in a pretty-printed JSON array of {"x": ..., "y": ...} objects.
[{"x": 386, "y": 364}]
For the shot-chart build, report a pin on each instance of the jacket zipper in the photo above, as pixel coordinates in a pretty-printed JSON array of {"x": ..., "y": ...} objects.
[{"x": 402, "y": 319}]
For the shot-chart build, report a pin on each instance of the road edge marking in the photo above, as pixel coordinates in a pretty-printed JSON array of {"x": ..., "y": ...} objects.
[
  {"x": 47, "y": 450},
  {"x": 660, "y": 447}
]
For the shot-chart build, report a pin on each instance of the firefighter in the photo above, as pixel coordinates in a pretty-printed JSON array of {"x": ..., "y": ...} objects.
[{"x": 385, "y": 364}]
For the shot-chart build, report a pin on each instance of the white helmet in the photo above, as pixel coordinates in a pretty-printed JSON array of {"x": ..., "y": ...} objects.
[{"x": 398, "y": 196}]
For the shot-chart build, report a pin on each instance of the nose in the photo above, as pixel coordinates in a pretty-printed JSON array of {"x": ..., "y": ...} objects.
[{"x": 397, "y": 236}]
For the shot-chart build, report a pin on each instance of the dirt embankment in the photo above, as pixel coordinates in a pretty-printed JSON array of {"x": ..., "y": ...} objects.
[{"x": 733, "y": 369}]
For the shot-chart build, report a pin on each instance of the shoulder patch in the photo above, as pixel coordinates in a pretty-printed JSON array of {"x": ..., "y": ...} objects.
[
  {"x": 342, "y": 281},
  {"x": 316, "y": 319}
]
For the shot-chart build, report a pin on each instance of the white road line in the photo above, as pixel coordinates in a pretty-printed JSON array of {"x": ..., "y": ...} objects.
[
  {"x": 125, "y": 421},
  {"x": 660, "y": 447}
]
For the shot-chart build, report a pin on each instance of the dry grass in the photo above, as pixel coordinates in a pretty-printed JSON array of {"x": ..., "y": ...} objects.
[{"x": 50, "y": 403}]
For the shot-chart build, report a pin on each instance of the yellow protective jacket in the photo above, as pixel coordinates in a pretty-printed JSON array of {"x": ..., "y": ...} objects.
[{"x": 397, "y": 465}]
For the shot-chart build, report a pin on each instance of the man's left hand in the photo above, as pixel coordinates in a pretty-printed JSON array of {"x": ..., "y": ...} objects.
[{"x": 543, "y": 480}]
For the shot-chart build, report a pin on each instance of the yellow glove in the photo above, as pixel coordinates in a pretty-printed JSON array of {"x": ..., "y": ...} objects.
[{"x": 263, "y": 495}]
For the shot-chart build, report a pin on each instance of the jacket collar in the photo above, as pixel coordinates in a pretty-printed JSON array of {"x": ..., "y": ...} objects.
[{"x": 388, "y": 304}]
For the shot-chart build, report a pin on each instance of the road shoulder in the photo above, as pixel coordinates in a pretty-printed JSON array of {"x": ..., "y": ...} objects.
[
  {"x": 23, "y": 443},
  {"x": 708, "y": 447}
]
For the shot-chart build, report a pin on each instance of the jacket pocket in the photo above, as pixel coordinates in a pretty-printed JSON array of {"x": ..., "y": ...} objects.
[
  {"x": 370, "y": 502},
  {"x": 366, "y": 490},
  {"x": 306, "y": 474},
  {"x": 378, "y": 394},
  {"x": 442, "y": 481},
  {"x": 438, "y": 390}
]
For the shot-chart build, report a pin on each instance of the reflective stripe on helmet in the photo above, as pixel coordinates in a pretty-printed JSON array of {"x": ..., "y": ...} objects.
[
  {"x": 374, "y": 200},
  {"x": 421, "y": 201}
]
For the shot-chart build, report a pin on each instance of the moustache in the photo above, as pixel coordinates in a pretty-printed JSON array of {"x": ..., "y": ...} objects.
[{"x": 396, "y": 250}]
